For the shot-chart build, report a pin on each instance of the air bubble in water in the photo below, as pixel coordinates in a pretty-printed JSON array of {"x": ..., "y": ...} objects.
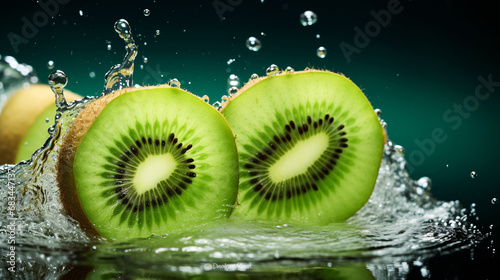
[
  {"x": 321, "y": 52},
  {"x": 254, "y": 76},
  {"x": 92, "y": 74},
  {"x": 318, "y": 36},
  {"x": 289, "y": 70},
  {"x": 145, "y": 59},
  {"x": 272, "y": 70},
  {"x": 205, "y": 98},
  {"x": 157, "y": 32},
  {"x": 400, "y": 149},
  {"x": 80, "y": 12},
  {"x": 146, "y": 12},
  {"x": 253, "y": 44},
  {"x": 494, "y": 201},
  {"x": 473, "y": 174},
  {"x": 308, "y": 18},
  {"x": 424, "y": 183},
  {"x": 47, "y": 120},
  {"x": 108, "y": 47},
  {"x": 50, "y": 64}
]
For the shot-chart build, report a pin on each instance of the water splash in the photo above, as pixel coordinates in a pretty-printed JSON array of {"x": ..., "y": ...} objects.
[
  {"x": 57, "y": 81},
  {"x": 121, "y": 75}
]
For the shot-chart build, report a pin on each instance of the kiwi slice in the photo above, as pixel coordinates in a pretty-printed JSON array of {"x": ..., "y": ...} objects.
[
  {"x": 310, "y": 147},
  {"x": 23, "y": 125},
  {"x": 147, "y": 161}
]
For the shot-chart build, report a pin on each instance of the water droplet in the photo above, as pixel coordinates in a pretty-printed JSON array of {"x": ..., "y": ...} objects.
[
  {"x": 205, "y": 98},
  {"x": 308, "y": 18},
  {"x": 289, "y": 70},
  {"x": 217, "y": 105},
  {"x": 254, "y": 76},
  {"x": 58, "y": 80},
  {"x": 157, "y": 32},
  {"x": 473, "y": 174},
  {"x": 145, "y": 59},
  {"x": 80, "y": 12},
  {"x": 174, "y": 83},
  {"x": 47, "y": 120},
  {"x": 253, "y": 44},
  {"x": 92, "y": 74},
  {"x": 233, "y": 81},
  {"x": 321, "y": 52},
  {"x": 232, "y": 90},
  {"x": 123, "y": 29},
  {"x": 424, "y": 183},
  {"x": 50, "y": 64},
  {"x": 146, "y": 12},
  {"x": 494, "y": 201},
  {"x": 272, "y": 70}
]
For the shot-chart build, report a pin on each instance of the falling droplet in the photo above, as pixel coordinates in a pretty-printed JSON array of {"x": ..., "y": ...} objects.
[
  {"x": 50, "y": 64},
  {"x": 272, "y": 70},
  {"x": 174, "y": 83},
  {"x": 232, "y": 90},
  {"x": 321, "y": 52},
  {"x": 308, "y": 18},
  {"x": 289, "y": 70},
  {"x": 146, "y": 12},
  {"x": 205, "y": 98},
  {"x": 254, "y": 76},
  {"x": 253, "y": 44},
  {"x": 157, "y": 32},
  {"x": 473, "y": 174},
  {"x": 58, "y": 80},
  {"x": 494, "y": 201},
  {"x": 233, "y": 81},
  {"x": 424, "y": 183}
]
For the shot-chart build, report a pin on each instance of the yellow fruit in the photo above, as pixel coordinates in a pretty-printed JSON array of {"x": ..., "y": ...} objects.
[{"x": 23, "y": 120}]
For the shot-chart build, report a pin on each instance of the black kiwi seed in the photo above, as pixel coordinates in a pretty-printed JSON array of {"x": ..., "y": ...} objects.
[{"x": 301, "y": 184}]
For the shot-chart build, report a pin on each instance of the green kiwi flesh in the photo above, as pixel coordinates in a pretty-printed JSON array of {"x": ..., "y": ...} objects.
[
  {"x": 310, "y": 147},
  {"x": 156, "y": 161}
]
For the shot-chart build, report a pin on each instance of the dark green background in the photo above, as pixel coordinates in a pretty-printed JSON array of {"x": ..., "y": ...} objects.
[{"x": 423, "y": 62}]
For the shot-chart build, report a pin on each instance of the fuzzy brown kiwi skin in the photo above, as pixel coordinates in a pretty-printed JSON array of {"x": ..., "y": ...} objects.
[{"x": 69, "y": 147}]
